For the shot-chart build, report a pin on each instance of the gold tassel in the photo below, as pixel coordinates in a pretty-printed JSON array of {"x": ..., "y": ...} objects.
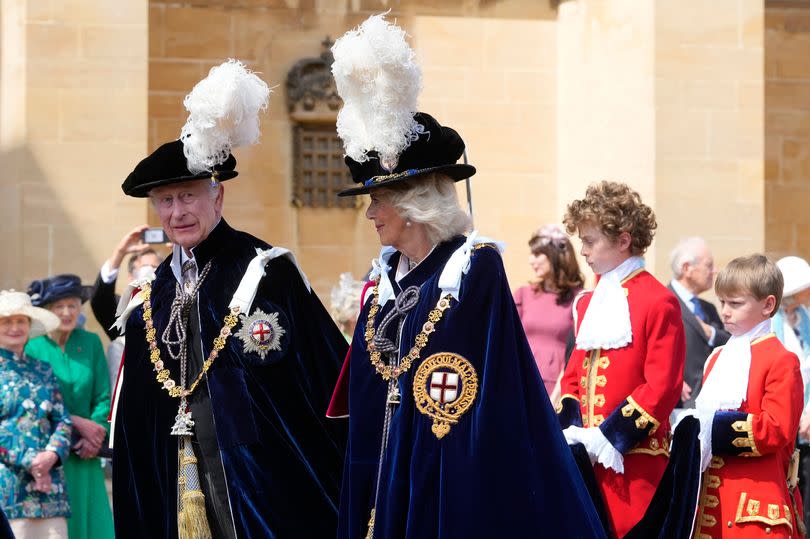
[
  {"x": 192, "y": 522},
  {"x": 370, "y": 533}
]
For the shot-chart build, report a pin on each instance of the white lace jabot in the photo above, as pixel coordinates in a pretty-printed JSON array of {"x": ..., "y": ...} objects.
[
  {"x": 727, "y": 384},
  {"x": 606, "y": 324}
]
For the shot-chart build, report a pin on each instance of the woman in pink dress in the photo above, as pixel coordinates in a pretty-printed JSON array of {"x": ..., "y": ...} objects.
[{"x": 544, "y": 305}]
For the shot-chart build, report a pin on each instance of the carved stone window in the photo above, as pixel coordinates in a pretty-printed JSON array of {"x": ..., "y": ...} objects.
[{"x": 319, "y": 172}]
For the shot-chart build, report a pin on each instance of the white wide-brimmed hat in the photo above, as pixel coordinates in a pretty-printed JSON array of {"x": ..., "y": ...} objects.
[
  {"x": 796, "y": 272},
  {"x": 19, "y": 303}
]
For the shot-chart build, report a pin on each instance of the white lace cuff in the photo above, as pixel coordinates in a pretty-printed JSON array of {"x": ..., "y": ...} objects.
[{"x": 599, "y": 448}]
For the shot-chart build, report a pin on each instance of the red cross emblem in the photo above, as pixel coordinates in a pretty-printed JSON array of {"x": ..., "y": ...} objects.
[
  {"x": 444, "y": 386},
  {"x": 261, "y": 331}
]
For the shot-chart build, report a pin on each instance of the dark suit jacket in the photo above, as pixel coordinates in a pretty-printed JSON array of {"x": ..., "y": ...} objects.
[
  {"x": 697, "y": 345},
  {"x": 104, "y": 302}
]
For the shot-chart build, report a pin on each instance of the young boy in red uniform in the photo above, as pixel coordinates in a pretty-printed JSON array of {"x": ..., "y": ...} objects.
[
  {"x": 752, "y": 397},
  {"x": 624, "y": 377}
]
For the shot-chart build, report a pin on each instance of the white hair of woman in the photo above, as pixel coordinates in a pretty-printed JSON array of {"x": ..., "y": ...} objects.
[
  {"x": 432, "y": 202},
  {"x": 687, "y": 251}
]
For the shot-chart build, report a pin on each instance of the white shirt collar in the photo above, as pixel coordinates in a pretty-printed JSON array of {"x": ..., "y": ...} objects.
[
  {"x": 402, "y": 266},
  {"x": 179, "y": 256},
  {"x": 683, "y": 293}
]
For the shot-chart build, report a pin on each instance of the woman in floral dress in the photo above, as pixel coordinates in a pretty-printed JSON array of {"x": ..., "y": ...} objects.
[{"x": 34, "y": 426}]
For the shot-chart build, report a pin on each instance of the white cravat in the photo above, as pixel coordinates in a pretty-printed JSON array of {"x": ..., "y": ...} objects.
[
  {"x": 727, "y": 384},
  {"x": 459, "y": 264},
  {"x": 379, "y": 269},
  {"x": 725, "y": 388},
  {"x": 606, "y": 324}
]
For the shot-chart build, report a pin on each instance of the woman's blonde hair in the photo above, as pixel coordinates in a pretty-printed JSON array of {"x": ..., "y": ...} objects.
[
  {"x": 432, "y": 202},
  {"x": 755, "y": 275}
]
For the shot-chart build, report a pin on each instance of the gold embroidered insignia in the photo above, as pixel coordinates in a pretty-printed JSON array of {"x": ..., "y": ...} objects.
[
  {"x": 444, "y": 388},
  {"x": 261, "y": 332}
]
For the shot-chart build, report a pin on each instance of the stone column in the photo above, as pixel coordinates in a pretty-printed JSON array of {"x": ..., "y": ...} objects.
[
  {"x": 73, "y": 97},
  {"x": 787, "y": 128},
  {"x": 667, "y": 96}
]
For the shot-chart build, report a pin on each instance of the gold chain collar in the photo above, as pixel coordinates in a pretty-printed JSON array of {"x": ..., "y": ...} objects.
[
  {"x": 163, "y": 375},
  {"x": 389, "y": 372}
]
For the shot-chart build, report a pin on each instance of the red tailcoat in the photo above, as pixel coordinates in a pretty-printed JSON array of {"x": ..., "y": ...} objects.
[
  {"x": 745, "y": 491},
  {"x": 631, "y": 392}
]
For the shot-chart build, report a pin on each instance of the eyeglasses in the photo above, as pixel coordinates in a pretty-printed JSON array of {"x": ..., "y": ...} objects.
[{"x": 185, "y": 198}]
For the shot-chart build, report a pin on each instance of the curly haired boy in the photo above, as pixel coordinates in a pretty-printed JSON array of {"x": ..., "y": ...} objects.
[{"x": 624, "y": 377}]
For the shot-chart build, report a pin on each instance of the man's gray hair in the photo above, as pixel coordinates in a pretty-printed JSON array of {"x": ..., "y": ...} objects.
[
  {"x": 686, "y": 251},
  {"x": 433, "y": 202},
  {"x": 214, "y": 187}
]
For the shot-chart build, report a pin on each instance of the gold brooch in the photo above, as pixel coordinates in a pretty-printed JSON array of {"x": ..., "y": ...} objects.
[{"x": 444, "y": 388}]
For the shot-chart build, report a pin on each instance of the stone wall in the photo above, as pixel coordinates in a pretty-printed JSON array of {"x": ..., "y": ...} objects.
[
  {"x": 702, "y": 106},
  {"x": 73, "y": 105},
  {"x": 606, "y": 128},
  {"x": 486, "y": 73},
  {"x": 709, "y": 125},
  {"x": 667, "y": 96},
  {"x": 787, "y": 128}
]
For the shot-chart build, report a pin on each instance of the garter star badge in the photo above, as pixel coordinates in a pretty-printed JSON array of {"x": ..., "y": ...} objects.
[
  {"x": 261, "y": 332},
  {"x": 444, "y": 388}
]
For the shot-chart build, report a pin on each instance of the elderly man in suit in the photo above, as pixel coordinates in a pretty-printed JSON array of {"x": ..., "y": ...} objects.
[{"x": 693, "y": 273}]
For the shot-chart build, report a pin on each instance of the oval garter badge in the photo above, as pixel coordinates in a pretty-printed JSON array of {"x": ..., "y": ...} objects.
[{"x": 444, "y": 388}]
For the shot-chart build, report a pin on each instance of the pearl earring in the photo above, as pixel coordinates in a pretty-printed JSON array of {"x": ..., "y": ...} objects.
[{"x": 407, "y": 223}]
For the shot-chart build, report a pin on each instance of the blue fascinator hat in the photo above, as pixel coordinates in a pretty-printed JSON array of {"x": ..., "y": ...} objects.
[{"x": 51, "y": 289}]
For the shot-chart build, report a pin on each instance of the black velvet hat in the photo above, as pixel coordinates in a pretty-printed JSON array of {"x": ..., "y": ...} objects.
[
  {"x": 45, "y": 291},
  {"x": 167, "y": 165},
  {"x": 436, "y": 150}
]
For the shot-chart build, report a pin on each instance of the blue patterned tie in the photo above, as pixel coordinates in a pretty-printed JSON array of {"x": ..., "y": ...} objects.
[{"x": 698, "y": 310}]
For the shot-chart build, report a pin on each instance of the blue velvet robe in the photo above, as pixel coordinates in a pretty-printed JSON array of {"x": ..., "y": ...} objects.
[
  {"x": 282, "y": 458},
  {"x": 504, "y": 470}
]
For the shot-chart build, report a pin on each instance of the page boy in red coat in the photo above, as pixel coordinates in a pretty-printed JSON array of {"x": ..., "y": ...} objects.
[
  {"x": 749, "y": 411},
  {"x": 623, "y": 378}
]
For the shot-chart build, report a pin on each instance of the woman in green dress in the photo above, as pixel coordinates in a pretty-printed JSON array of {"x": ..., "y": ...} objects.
[{"x": 77, "y": 359}]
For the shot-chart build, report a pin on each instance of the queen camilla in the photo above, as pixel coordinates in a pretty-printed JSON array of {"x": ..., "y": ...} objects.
[{"x": 451, "y": 431}]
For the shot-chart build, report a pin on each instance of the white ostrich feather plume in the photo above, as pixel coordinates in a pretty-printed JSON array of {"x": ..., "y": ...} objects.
[
  {"x": 379, "y": 81},
  {"x": 223, "y": 114}
]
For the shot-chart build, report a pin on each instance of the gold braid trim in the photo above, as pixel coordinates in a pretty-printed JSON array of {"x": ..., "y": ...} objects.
[
  {"x": 645, "y": 451},
  {"x": 747, "y": 441},
  {"x": 565, "y": 396},
  {"x": 753, "y": 508},
  {"x": 645, "y": 418},
  {"x": 163, "y": 375}
]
